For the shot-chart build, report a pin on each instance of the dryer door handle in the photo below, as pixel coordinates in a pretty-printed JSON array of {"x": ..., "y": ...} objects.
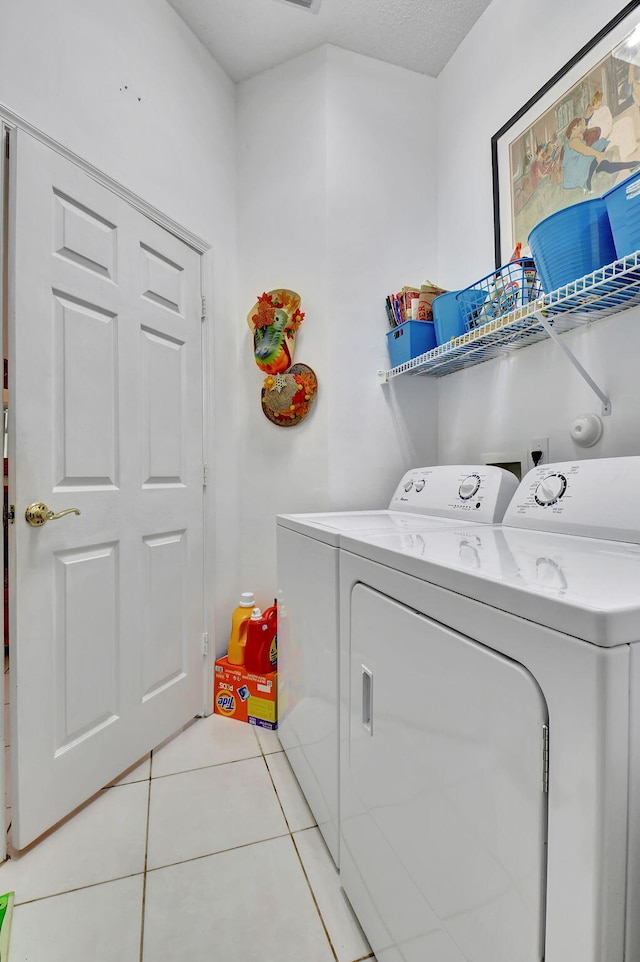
[{"x": 367, "y": 699}]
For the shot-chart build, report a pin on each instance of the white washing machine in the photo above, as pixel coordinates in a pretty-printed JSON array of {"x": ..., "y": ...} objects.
[
  {"x": 308, "y": 614},
  {"x": 490, "y": 728}
]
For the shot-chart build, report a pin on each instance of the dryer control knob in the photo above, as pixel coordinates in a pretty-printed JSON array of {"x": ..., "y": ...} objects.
[
  {"x": 469, "y": 487},
  {"x": 408, "y": 486},
  {"x": 550, "y": 489},
  {"x": 419, "y": 485}
]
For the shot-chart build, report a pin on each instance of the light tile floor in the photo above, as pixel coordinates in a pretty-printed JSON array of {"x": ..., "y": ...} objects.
[{"x": 206, "y": 850}]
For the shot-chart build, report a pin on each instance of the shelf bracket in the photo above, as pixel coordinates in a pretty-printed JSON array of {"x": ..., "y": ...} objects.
[{"x": 606, "y": 401}]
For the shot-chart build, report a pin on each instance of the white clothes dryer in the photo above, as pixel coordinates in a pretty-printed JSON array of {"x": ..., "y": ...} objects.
[
  {"x": 490, "y": 728},
  {"x": 308, "y": 613}
]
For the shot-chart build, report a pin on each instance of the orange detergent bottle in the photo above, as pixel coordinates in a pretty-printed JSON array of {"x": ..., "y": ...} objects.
[
  {"x": 261, "y": 652},
  {"x": 239, "y": 621}
]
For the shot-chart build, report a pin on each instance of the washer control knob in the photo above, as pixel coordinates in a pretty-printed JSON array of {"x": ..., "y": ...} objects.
[
  {"x": 469, "y": 487},
  {"x": 550, "y": 489},
  {"x": 408, "y": 486},
  {"x": 419, "y": 485}
]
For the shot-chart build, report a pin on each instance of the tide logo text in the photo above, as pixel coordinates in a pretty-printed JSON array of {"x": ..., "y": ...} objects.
[{"x": 226, "y": 703}]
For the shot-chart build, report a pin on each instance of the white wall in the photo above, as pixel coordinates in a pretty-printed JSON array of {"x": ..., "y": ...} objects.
[
  {"x": 170, "y": 137},
  {"x": 382, "y": 233},
  {"x": 337, "y": 200},
  {"x": 500, "y": 405},
  {"x": 355, "y": 177},
  {"x": 282, "y": 162}
]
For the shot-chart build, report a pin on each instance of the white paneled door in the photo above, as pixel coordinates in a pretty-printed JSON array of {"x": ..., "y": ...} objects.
[{"x": 106, "y": 417}]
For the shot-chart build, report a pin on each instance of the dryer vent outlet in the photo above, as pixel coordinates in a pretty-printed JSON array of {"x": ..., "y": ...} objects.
[{"x": 311, "y": 5}]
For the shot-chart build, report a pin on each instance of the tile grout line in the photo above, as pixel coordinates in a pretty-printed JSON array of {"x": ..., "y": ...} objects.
[
  {"x": 146, "y": 869},
  {"x": 158, "y": 868},
  {"x": 233, "y": 848},
  {"x": 313, "y": 896},
  {"x": 199, "y": 768},
  {"x": 362, "y": 958},
  {"x": 284, "y": 814},
  {"x": 220, "y": 851},
  {"x": 77, "y": 888},
  {"x": 304, "y": 871},
  {"x": 146, "y": 857}
]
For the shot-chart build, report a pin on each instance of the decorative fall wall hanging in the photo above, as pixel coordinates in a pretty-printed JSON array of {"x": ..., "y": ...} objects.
[{"x": 289, "y": 389}]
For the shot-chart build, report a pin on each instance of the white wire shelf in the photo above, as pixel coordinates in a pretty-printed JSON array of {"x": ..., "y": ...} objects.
[{"x": 607, "y": 291}]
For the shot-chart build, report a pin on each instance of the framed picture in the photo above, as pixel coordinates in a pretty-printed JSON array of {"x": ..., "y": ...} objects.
[{"x": 575, "y": 138}]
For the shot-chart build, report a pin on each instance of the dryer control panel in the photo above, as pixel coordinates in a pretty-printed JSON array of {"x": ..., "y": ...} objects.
[
  {"x": 599, "y": 498},
  {"x": 462, "y": 491}
]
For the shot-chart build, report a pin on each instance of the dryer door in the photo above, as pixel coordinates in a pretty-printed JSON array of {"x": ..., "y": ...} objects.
[{"x": 443, "y": 805}]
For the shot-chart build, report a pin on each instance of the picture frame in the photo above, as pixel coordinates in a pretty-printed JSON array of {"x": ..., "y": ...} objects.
[{"x": 534, "y": 165}]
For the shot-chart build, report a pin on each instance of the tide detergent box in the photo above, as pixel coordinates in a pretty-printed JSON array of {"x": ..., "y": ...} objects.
[{"x": 245, "y": 696}]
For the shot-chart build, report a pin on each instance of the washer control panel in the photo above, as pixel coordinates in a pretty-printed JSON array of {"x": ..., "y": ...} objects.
[
  {"x": 469, "y": 492},
  {"x": 598, "y": 498}
]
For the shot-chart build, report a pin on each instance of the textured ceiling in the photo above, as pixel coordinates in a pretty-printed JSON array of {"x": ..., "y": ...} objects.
[{"x": 247, "y": 36}]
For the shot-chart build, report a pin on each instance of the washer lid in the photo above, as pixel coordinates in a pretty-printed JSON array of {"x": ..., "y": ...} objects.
[
  {"x": 584, "y": 587},
  {"x": 329, "y": 527}
]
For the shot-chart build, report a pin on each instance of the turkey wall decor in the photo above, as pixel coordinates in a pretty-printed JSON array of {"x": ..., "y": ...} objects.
[{"x": 289, "y": 389}]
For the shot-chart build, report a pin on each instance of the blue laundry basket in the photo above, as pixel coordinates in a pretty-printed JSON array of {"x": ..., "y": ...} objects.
[
  {"x": 447, "y": 317},
  {"x": 409, "y": 340},
  {"x": 572, "y": 242},
  {"x": 623, "y": 208},
  {"x": 513, "y": 285}
]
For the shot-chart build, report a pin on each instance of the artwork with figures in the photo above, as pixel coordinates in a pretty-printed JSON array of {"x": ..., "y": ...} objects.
[{"x": 582, "y": 145}]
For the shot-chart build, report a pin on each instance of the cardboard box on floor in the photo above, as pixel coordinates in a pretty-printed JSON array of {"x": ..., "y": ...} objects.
[{"x": 244, "y": 695}]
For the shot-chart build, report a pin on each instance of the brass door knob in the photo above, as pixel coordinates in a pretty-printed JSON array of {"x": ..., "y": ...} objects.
[{"x": 38, "y": 514}]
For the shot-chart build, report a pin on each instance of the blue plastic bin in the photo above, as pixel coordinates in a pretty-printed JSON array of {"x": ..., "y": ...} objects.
[
  {"x": 623, "y": 208},
  {"x": 409, "y": 340},
  {"x": 447, "y": 318},
  {"x": 572, "y": 242},
  {"x": 513, "y": 285}
]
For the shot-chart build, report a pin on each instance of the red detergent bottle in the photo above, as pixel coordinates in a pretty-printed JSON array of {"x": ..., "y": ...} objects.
[
  {"x": 261, "y": 651},
  {"x": 271, "y": 614}
]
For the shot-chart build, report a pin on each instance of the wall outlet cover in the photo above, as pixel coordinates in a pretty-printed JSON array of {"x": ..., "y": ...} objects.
[{"x": 537, "y": 444}]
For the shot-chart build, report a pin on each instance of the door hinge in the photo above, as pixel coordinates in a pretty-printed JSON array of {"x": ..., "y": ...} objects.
[
  {"x": 545, "y": 758},
  {"x": 10, "y": 514},
  {"x": 205, "y": 643},
  {"x": 205, "y": 475},
  {"x": 203, "y": 309}
]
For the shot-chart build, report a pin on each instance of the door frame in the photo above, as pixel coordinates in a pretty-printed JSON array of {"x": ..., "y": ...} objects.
[
  {"x": 4, "y": 229},
  {"x": 9, "y": 120}
]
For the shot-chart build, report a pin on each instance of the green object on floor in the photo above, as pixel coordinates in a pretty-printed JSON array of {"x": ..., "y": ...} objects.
[{"x": 6, "y": 909}]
